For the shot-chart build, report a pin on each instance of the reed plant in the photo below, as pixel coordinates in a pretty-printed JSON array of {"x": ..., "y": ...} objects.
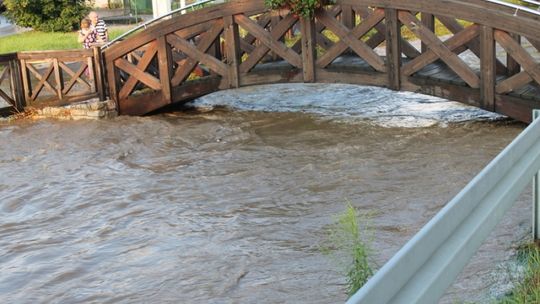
[{"x": 348, "y": 241}]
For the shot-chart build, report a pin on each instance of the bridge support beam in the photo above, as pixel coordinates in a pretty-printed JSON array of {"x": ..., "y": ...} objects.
[
  {"x": 308, "y": 48},
  {"x": 393, "y": 49},
  {"x": 488, "y": 68}
]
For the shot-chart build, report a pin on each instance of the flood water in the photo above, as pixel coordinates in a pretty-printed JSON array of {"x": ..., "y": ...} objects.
[{"x": 231, "y": 204}]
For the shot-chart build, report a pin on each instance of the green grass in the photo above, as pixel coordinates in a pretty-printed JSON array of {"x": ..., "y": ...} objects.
[
  {"x": 527, "y": 291},
  {"x": 349, "y": 236},
  {"x": 39, "y": 41}
]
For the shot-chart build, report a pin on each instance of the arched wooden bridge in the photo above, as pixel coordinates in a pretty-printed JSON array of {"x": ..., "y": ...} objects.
[{"x": 242, "y": 43}]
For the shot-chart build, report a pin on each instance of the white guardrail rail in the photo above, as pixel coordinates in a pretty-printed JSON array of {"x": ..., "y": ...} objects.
[
  {"x": 423, "y": 269},
  {"x": 150, "y": 22}
]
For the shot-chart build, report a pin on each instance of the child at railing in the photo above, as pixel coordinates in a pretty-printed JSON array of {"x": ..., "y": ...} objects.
[{"x": 87, "y": 36}]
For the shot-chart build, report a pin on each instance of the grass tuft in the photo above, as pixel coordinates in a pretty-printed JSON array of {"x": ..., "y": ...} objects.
[{"x": 528, "y": 291}]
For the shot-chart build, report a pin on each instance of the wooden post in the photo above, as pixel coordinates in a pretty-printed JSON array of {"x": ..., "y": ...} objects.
[
  {"x": 428, "y": 20},
  {"x": 27, "y": 88},
  {"x": 113, "y": 80},
  {"x": 488, "y": 68},
  {"x": 274, "y": 21},
  {"x": 19, "y": 89},
  {"x": 98, "y": 73},
  {"x": 58, "y": 78},
  {"x": 165, "y": 65},
  {"x": 309, "y": 54},
  {"x": 393, "y": 49},
  {"x": 512, "y": 66},
  {"x": 232, "y": 50}
]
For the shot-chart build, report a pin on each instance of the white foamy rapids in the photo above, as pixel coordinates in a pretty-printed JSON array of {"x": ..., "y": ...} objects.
[{"x": 380, "y": 106}]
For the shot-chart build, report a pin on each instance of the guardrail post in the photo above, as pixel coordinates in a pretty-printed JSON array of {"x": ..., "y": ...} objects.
[
  {"x": 309, "y": 54},
  {"x": 536, "y": 197}
]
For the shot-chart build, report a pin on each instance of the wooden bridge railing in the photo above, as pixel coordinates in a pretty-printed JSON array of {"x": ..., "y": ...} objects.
[
  {"x": 59, "y": 77},
  {"x": 10, "y": 84},
  {"x": 241, "y": 43}
]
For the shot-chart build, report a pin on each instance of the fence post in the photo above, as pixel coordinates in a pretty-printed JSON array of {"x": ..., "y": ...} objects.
[
  {"x": 309, "y": 53},
  {"x": 393, "y": 48},
  {"x": 98, "y": 73},
  {"x": 536, "y": 197}
]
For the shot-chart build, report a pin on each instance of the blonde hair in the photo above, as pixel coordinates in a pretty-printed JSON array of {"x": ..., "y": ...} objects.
[{"x": 85, "y": 23}]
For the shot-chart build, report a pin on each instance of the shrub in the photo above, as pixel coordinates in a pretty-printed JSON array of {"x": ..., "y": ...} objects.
[
  {"x": 304, "y": 8},
  {"x": 47, "y": 15},
  {"x": 348, "y": 239}
]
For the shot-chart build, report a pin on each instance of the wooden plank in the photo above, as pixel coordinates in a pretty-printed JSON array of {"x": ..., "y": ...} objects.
[
  {"x": 308, "y": 48},
  {"x": 438, "y": 47},
  {"x": 100, "y": 83},
  {"x": 380, "y": 36},
  {"x": 42, "y": 80},
  {"x": 512, "y": 66},
  {"x": 74, "y": 77},
  {"x": 522, "y": 57},
  {"x": 186, "y": 68},
  {"x": 91, "y": 76},
  {"x": 140, "y": 75},
  {"x": 130, "y": 84},
  {"x": 26, "y": 82},
  {"x": 165, "y": 65},
  {"x": 62, "y": 55},
  {"x": 473, "y": 45},
  {"x": 113, "y": 82},
  {"x": 59, "y": 80},
  {"x": 193, "y": 89},
  {"x": 259, "y": 52},
  {"x": 359, "y": 77},
  {"x": 430, "y": 56},
  {"x": 348, "y": 17},
  {"x": 351, "y": 39},
  {"x": 428, "y": 20},
  {"x": 232, "y": 51},
  {"x": 264, "y": 37},
  {"x": 513, "y": 83},
  {"x": 488, "y": 68},
  {"x": 393, "y": 49},
  {"x": 191, "y": 51}
]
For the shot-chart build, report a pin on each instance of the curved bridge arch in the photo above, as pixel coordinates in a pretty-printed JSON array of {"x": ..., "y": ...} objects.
[{"x": 242, "y": 43}]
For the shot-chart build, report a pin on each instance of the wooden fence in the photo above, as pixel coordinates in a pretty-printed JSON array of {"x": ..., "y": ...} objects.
[{"x": 50, "y": 78}]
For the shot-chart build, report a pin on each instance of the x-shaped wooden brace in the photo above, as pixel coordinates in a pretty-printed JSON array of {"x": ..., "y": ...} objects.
[
  {"x": 137, "y": 73},
  {"x": 380, "y": 36},
  {"x": 75, "y": 76},
  {"x": 430, "y": 56},
  {"x": 440, "y": 49},
  {"x": 259, "y": 52},
  {"x": 473, "y": 45},
  {"x": 5, "y": 74},
  {"x": 351, "y": 38},
  {"x": 246, "y": 44},
  {"x": 530, "y": 66},
  {"x": 322, "y": 40},
  {"x": 197, "y": 54},
  {"x": 268, "y": 39},
  {"x": 43, "y": 80}
]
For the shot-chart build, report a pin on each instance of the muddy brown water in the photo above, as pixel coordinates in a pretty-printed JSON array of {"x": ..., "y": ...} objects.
[{"x": 231, "y": 205}]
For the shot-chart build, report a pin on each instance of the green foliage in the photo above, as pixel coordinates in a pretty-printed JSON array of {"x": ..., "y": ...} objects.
[
  {"x": 349, "y": 238},
  {"x": 528, "y": 291},
  {"x": 47, "y": 15},
  {"x": 304, "y": 8}
]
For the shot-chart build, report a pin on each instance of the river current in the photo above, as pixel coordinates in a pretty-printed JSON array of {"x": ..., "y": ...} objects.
[{"x": 230, "y": 203}]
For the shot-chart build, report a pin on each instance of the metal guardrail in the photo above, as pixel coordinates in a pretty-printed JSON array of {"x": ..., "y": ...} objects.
[
  {"x": 519, "y": 7},
  {"x": 424, "y": 268},
  {"x": 150, "y": 22}
]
